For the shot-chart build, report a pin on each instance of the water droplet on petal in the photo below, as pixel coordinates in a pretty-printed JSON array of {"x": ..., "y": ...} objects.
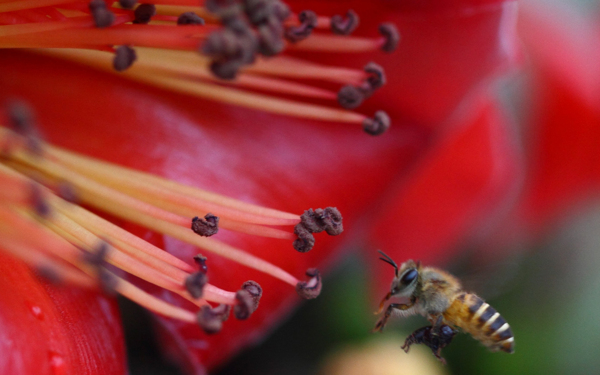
[
  {"x": 36, "y": 310},
  {"x": 57, "y": 364}
]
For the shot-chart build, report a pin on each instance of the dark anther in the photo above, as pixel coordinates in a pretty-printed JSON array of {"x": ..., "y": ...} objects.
[
  {"x": 231, "y": 47},
  {"x": 305, "y": 240},
  {"x": 435, "y": 339},
  {"x": 127, "y": 4},
  {"x": 377, "y": 125},
  {"x": 257, "y": 10},
  {"x": 98, "y": 257},
  {"x": 206, "y": 227},
  {"x": 67, "y": 192},
  {"x": 308, "y": 20},
  {"x": 261, "y": 11},
  {"x": 392, "y": 37},
  {"x": 376, "y": 77},
  {"x": 270, "y": 38},
  {"x": 221, "y": 44},
  {"x": 22, "y": 120},
  {"x": 312, "y": 288},
  {"x": 222, "y": 311},
  {"x": 39, "y": 203},
  {"x": 350, "y": 97},
  {"x": 201, "y": 262},
  {"x": 346, "y": 26},
  {"x": 226, "y": 70},
  {"x": 103, "y": 17},
  {"x": 243, "y": 308},
  {"x": 225, "y": 9},
  {"x": 108, "y": 281},
  {"x": 189, "y": 18},
  {"x": 217, "y": 6},
  {"x": 328, "y": 219},
  {"x": 195, "y": 282},
  {"x": 280, "y": 10},
  {"x": 34, "y": 144},
  {"x": 332, "y": 218},
  {"x": 208, "y": 320},
  {"x": 49, "y": 274},
  {"x": 247, "y": 41},
  {"x": 21, "y": 117},
  {"x": 124, "y": 58},
  {"x": 144, "y": 13},
  {"x": 255, "y": 291}
]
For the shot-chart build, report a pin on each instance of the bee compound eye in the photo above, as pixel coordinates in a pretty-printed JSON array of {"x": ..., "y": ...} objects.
[{"x": 409, "y": 277}]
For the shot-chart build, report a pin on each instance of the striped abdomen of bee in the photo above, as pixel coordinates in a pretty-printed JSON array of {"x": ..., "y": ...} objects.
[{"x": 482, "y": 321}]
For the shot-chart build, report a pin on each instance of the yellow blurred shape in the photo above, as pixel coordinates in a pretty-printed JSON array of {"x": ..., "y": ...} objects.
[{"x": 382, "y": 356}]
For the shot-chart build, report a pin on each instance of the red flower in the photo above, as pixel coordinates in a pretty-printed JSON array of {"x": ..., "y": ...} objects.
[
  {"x": 562, "y": 135},
  {"x": 449, "y": 164}
]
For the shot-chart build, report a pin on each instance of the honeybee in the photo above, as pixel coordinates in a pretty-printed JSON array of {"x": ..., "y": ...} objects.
[{"x": 438, "y": 296}]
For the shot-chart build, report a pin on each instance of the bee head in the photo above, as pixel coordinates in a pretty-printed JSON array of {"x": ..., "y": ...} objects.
[{"x": 407, "y": 274}]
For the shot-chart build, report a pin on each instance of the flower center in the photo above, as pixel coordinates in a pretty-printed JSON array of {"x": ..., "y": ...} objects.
[{"x": 243, "y": 46}]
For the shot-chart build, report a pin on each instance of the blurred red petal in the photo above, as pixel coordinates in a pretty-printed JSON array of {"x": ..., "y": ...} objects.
[
  {"x": 563, "y": 131},
  {"x": 468, "y": 177},
  {"x": 46, "y": 329}
]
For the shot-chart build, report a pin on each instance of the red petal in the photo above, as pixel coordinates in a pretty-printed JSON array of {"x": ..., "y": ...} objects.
[
  {"x": 454, "y": 191},
  {"x": 563, "y": 132},
  {"x": 46, "y": 329},
  {"x": 564, "y": 166}
]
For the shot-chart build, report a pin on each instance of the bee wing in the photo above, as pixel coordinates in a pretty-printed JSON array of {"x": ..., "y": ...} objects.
[{"x": 485, "y": 277}]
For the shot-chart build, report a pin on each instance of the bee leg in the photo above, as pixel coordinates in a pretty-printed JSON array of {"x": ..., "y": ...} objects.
[
  {"x": 436, "y": 347},
  {"x": 435, "y": 338},
  {"x": 417, "y": 337},
  {"x": 388, "y": 312},
  {"x": 438, "y": 356},
  {"x": 440, "y": 338}
]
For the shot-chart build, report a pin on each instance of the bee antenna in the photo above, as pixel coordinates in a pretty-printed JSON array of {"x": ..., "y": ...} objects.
[{"x": 388, "y": 260}]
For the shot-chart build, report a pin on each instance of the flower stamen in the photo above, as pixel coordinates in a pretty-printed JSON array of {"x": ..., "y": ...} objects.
[
  {"x": 33, "y": 215},
  {"x": 231, "y": 43}
]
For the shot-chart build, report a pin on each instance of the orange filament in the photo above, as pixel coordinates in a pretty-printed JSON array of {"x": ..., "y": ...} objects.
[
  {"x": 158, "y": 36},
  {"x": 61, "y": 236},
  {"x": 170, "y": 191},
  {"x": 11, "y": 6},
  {"x": 42, "y": 262},
  {"x": 152, "y": 303},
  {"x": 134, "y": 210},
  {"x": 331, "y": 43},
  {"x": 146, "y": 74}
]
